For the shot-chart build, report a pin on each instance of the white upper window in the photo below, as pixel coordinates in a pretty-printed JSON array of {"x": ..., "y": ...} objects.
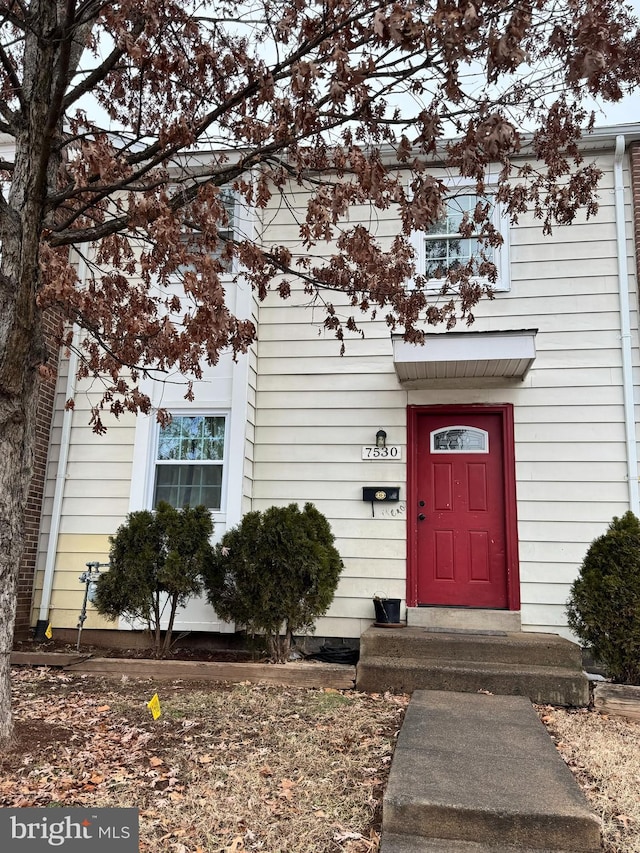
[
  {"x": 227, "y": 230},
  {"x": 443, "y": 248}
]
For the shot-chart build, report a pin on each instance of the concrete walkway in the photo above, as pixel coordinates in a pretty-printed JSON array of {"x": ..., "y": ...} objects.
[{"x": 474, "y": 773}]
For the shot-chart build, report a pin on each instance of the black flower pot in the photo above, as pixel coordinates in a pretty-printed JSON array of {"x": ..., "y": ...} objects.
[{"x": 387, "y": 611}]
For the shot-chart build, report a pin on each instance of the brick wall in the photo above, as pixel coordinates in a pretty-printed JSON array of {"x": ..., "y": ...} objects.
[{"x": 33, "y": 510}]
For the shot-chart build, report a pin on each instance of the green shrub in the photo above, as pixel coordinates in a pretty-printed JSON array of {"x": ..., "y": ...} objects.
[
  {"x": 604, "y": 606},
  {"x": 156, "y": 561},
  {"x": 275, "y": 573}
]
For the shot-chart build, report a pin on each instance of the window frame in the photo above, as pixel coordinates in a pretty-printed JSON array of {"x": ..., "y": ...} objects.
[
  {"x": 232, "y": 229},
  {"x": 219, "y": 513},
  {"x": 500, "y": 220}
]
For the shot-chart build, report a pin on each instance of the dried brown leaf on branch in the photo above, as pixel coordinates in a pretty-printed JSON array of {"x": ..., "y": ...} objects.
[
  {"x": 114, "y": 213},
  {"x": 348, "y": 108}
]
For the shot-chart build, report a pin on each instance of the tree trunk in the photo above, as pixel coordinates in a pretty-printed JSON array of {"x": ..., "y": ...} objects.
[
  {"x": 287, "y": 640},
  {"x": 20, "y": 354},
  {"x": 279, "y": 645},
  {"x": 157, "y": 634},
  {"x": 16, "y": 432},
  {"x": 166, "y": 646},
  {"x": 22, "y": 348}
]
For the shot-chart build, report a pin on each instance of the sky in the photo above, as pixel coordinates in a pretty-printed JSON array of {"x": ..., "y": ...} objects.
[{"x": 626, "y": 111}]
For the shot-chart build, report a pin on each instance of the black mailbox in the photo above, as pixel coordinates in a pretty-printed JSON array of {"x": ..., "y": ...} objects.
[{"x": 380, "y": 494}]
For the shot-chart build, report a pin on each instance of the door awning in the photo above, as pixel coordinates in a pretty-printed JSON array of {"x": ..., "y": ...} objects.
[{"x": 465, "y": 355}]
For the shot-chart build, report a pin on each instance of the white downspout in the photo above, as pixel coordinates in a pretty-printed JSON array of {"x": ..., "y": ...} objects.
[
  {"x": 238, "y": 419},
  {"x": 625, "y": 329},
  {"x": 246, "y": 226},
  {"x": 61, "y": 475}
]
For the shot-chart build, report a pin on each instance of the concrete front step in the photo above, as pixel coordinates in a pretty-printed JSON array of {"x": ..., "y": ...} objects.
[
  {"x": 417, "y": 844},
  {"x": 499, "y": 646},
  {"x": 544, "y": 684},
  {"x": 480, "y": 773},
  {"x": 474, "y": 618},
  {"x": 545, "y": 667}
]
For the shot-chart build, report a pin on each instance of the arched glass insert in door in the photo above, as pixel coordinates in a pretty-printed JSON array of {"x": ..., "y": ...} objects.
[{"x": 459, "y": 439}]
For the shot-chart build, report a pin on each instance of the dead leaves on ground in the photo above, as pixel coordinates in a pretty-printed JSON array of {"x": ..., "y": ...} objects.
[
  {"x": 603, "y": 753},
  {"x": 230, "y": 770}
]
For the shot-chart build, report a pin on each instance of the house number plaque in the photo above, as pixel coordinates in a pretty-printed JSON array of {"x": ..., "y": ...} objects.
[{"x": 391, "y": 451}]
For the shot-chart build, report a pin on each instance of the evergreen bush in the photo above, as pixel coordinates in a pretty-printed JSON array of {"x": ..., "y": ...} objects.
[
  {"x": 156, "y": 561},
  {"x": 604, "y": 606},
  {"x": 275, "y": 573}
]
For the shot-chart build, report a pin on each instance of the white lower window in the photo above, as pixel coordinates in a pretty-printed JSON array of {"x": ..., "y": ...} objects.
[{"x": 189, "y": 462}]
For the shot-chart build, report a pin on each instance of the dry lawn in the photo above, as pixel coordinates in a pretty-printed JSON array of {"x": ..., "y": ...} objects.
[
  {"x": 251, "y": 768},
  {"x": 225, "y": 768},
  {"x": 604, "y": 754}
]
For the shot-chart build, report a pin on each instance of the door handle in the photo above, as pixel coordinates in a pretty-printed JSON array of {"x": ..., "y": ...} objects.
[{"x": 421, "y": 516}]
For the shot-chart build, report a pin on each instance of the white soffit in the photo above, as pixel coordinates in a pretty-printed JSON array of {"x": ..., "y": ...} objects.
[{"x": 464, "y": 355}]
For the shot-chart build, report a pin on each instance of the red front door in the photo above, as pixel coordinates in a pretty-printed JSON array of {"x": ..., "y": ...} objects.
[{"x": 461, "y": 527}]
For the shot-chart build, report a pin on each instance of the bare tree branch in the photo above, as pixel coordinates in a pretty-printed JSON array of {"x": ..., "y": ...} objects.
[
  {"x": 317, "y": 110},
  {"x": 91, "y": 80},
  {"x": 15, "y": 84}
]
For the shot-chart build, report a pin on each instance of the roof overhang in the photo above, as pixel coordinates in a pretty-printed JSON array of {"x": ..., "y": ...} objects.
[{"x": 465, "y": 355}]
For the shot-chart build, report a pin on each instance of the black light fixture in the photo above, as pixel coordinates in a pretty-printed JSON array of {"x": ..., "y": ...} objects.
[{"x": 381, "y": 438}]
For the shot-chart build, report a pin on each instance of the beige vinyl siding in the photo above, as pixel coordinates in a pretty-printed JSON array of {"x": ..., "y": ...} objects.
[
  {"x": 101, "y": 476},
  {"x": 309, "y": 411},
  {"x": 87, "y": 508},
  {"x": 311, "y": 426},
  {"x": 95, "y": 501},
  {"x": 67, "y": 595},
  {"x": 316, "y": 409},
  {"x": 570, "y": 451}
]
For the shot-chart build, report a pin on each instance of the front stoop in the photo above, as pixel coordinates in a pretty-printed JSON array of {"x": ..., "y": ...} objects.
[
  {"x": 470, "y": 618},
  {"x": 544, "y": 667},
  {"x": 478, "y": 773}
]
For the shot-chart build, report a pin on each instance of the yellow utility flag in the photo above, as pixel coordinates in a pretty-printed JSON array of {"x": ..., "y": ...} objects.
[
  {"x": 48, "y": 633},
  {"x": 154, "y": 706}
]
